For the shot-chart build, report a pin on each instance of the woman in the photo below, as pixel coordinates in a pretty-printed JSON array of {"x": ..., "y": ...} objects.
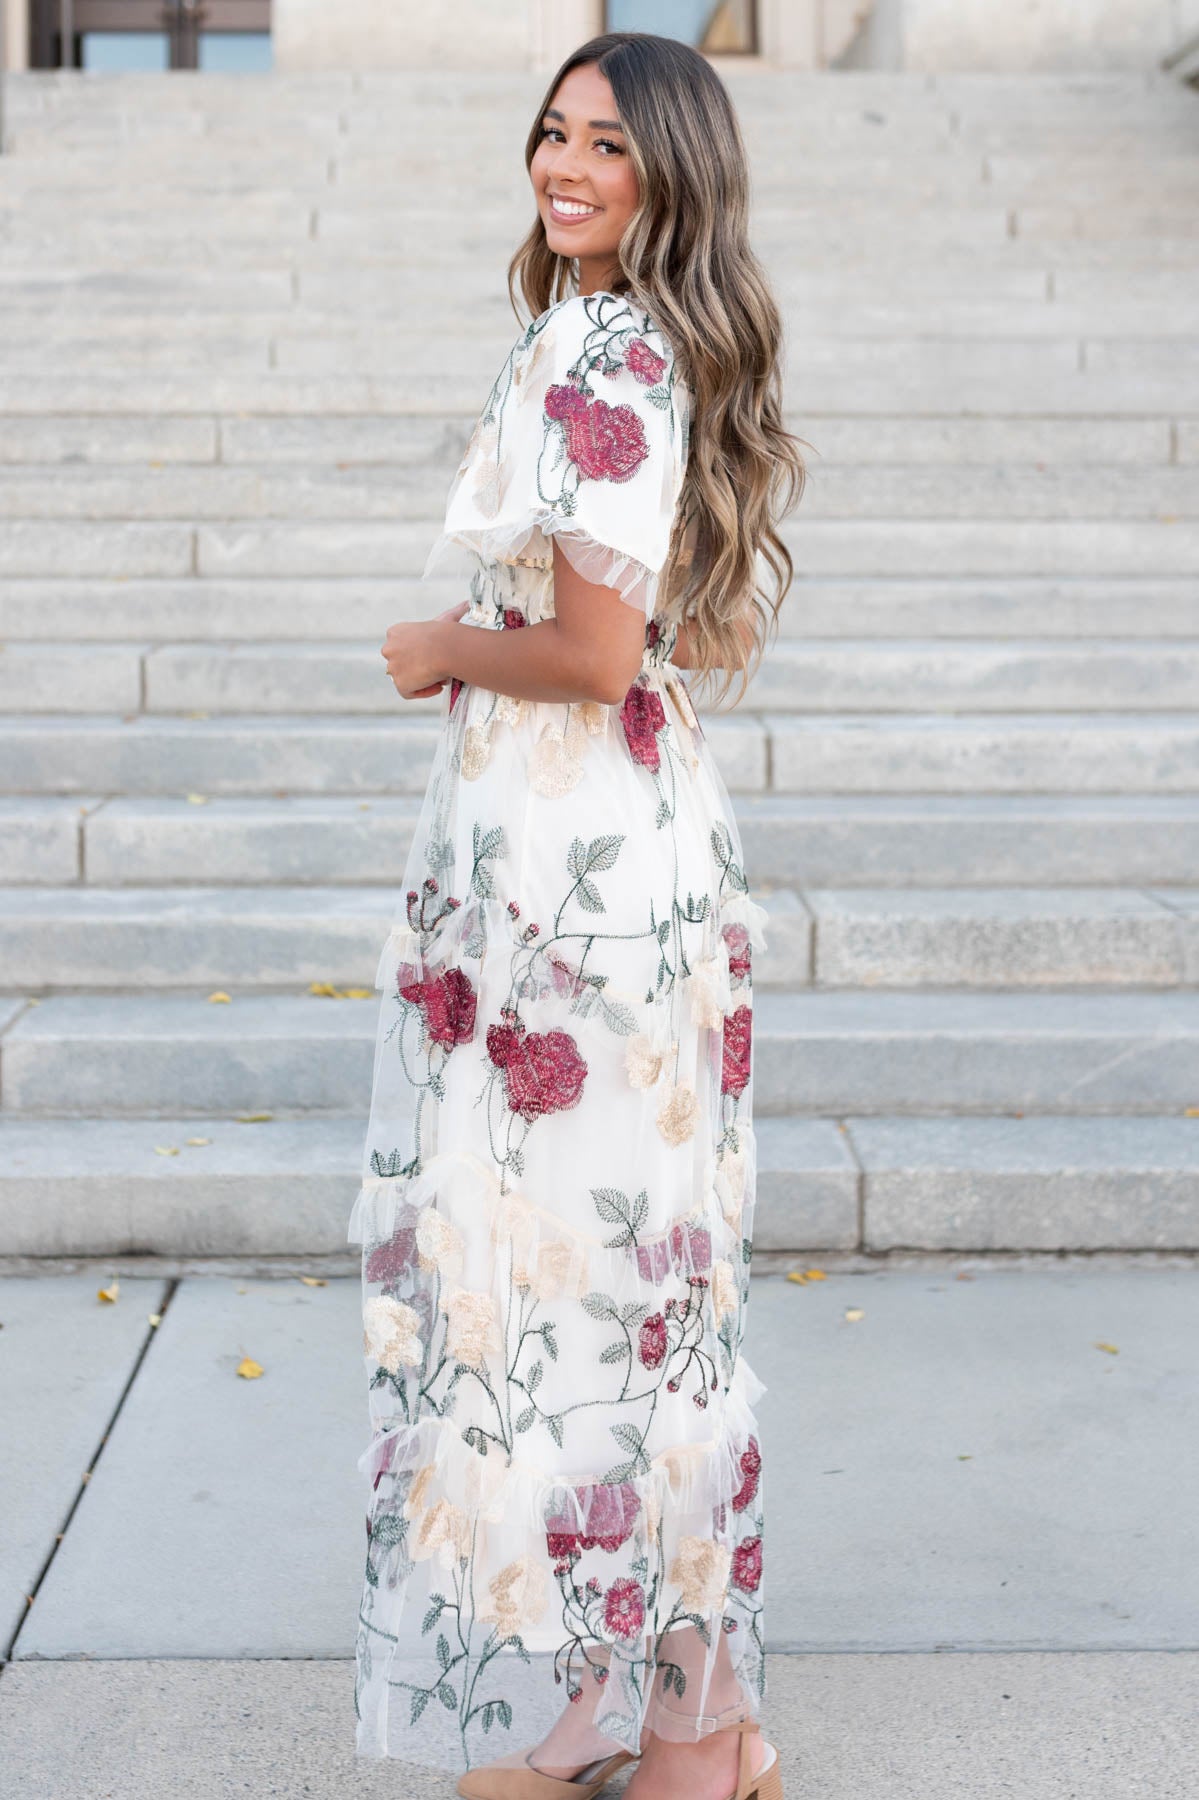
[{"x": 557, "y": 1196}]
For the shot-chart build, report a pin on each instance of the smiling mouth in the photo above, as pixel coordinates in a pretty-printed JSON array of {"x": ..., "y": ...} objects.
[{"x": 573, "y": 212}]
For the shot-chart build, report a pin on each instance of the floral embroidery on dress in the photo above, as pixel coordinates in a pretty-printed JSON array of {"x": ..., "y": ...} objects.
[{"x": 558, "y": 1179}]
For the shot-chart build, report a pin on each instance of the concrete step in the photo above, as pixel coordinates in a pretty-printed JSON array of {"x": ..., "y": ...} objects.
[
  {"x": 256, "y": 754},
  {"x": 916, "y": 841},
  {"x": 415, "y": 489},
  {"x": 143, "y": 938},
  {"x": 824, "y": 676},
  {"x": 328, "y": 608},
  {"x": 816, "y": 1054},
  {"x": 284, "y": 1187},
  {"x": 1047, "y": 753}
]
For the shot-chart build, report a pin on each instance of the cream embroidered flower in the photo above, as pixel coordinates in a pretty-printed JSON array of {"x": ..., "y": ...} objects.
[
  {"x": 514, "y": 1221},
  {"x": 473, "y": 1327},
  {"x": 701, "y": 1570},
  {"x": 678, "y": 1114},
  {"x": 509, "y": 710},
  {"x": 554, "y": 769},
  {"x": 726, "y": 1296},
  {"x": 439, "y": 1244},
  {"x": 708, "y": 993},
  {"x": 418, "y": 1493},
  {"x": 390, "y": 1333},
  {"x": 594, "y": 715},
  {"x": 517, "y": 1597},
  {"x": 682, "y": 699},
  {"x": 476, "y": 751},
  {"x": 642, "y": 1062},
  {"x": 553, "y": 1272},
  {"x": 443, "y": 1531}
]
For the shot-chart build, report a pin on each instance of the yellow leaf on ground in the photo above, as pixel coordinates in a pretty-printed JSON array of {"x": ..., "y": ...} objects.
[
  {"x": 154, "y": 1318},
  {"x": 199, "y": 713},
  {"x": 794, "y": 1275},
  {"x": 197, "y": 799},
  {"x": 249, "y": 1369},
  {"x": 1110, "y": 1348},
  {"x": 360, "y": 993},
  {"x": 1191, "y": 1112},
  {"x": 166, "y": 1149},
  {"x": 199, "y": 1140},
  {"x": 323, "y": 989},
  {"x": 253, "y": 1118},
  {"x": 815, "y": 1275},
  {"x": 314, "y": 1281},
  {"x": 965, "y": 1456},
  {"x": 220, "y": 997},
  {"x": 854, "y": 1313},
  {"x": 109, "y": 1293}
]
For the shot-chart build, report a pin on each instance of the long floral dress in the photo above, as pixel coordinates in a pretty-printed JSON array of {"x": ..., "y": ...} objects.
[{"x": 557, "y": 1189}]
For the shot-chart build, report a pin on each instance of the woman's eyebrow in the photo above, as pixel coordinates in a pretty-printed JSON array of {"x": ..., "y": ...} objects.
[{"x": 592, "y": 124}]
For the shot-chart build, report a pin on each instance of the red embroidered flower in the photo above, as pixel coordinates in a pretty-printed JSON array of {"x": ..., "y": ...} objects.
[
  {"x": 737, "y": 939},
  {"x": 624, "y": 1608},
  {"x": 691, "y": 1244},
  {"x": 643, "y": 716},
  {"x": 564, "y": 400},
  {"x": 611, "y": 1513},
  {"x": 513, "y": 618},
  {"x": 543, "y": 1071},
  {"x": 735, "y": 1051},
  {"x": 389, "y": 1261},
  {"x": 651, "y": 1341},
  {"x": 606, "y": 443},
  {"x": 456, "y": 688},
  {"x": 751, "y": 1468},
  {"x": 447, "y": 1005},
  {"x": 645, "y": 363},
  {"x": 747, "y": 1564}
]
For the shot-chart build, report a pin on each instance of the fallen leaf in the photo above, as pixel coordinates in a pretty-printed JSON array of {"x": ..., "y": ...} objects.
[
  {"x": 364, "y": 806},
  {"x": 249, "y": 1369},
  {"x": 854, "y": 1313},
  {"x": 965, "y": 1456},
  {"x": 109, "y": 1293},
  {"x": 199, "y": 713},
  {"x": 1110, "y": 1348},
  {"x": 253, "y": 1118},
  {"x": 815, "y": 1275},
  {"x": 794, "y": 1275},
  {"x": 199, "y": 1140},
  {"x": 314, "y": 1281},
  {"x": 197, "y": 799},
  {"x": 963, "y": 1275},
  {"x": 360, "y": 993},
  {"x": 1191, "y": 1112},
  {"x": 221, "y": 998},
  {"x": 166, "y": 1149},
  {"x": 324, "y": 989},
  {"x": 154, "y": 1318}
]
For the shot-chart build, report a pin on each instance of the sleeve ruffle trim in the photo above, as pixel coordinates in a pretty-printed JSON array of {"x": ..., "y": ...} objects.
[{"x": 529, "y": 540}]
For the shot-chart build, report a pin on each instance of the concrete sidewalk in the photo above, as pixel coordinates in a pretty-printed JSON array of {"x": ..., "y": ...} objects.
[{"x": 963, "y": 1475}]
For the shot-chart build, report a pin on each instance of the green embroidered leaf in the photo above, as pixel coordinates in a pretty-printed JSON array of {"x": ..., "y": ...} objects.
[
  {"x": 721, "y": 847},
  {"x": 443, "y": 1652},
  {"x": 434, "y": 1613},
  {"x": 576, "y": 857},
  {"x": 619, "y": 1017},
  {"x": 602, "y": 852},
  {"x": 487, "y": 1715},
  {"x": 525, "y": 1419},
  {"x": 555, "y": 1429},
  {"x": 419, "y": 1703},
  {"x": 663, "y": 930},
  {"x": 588, "y": 896},
  {"x": 551, "y": 1342},
  {"x": 640, "y": 1210},
  {"x": 659, "y": 395},
  {"x": 634, "y": 1312},
  {"x": 662, "y": 815},
  {"x": 598, "y": 1306},
  {"x": 616, "y": 1352},
  {"x": 611, "y": 1204},
  {"x": 622, "y": 1472},
  {"x": 626, "y": 1435},
  {"x": 534, "y": 1376},
  {"x": 448, "y": 1697},
  {"x": 501, "y": 1706}
]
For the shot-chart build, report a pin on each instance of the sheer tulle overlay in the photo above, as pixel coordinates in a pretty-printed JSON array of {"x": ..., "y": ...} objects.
[{"x": 556, "y": 1202}]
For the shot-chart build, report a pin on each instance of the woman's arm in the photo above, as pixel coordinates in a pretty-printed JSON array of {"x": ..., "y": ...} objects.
[{"x": 590, "y": 650}]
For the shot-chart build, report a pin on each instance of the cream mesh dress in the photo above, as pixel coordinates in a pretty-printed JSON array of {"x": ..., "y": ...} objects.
[{"x": 556, "y": 1204}]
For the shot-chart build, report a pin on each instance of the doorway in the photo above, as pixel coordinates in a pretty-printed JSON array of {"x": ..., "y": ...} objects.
[{"x": 119, "y": 35}]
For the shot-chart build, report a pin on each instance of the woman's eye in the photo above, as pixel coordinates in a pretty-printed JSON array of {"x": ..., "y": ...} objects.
[{"x": 554, "y": 131}]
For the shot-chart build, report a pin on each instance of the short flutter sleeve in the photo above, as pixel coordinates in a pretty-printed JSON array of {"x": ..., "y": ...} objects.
[{"x": 583, "y": 439}]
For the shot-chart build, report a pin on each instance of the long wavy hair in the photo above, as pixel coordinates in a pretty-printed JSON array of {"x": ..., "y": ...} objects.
[{"x": 685, "y": 259}]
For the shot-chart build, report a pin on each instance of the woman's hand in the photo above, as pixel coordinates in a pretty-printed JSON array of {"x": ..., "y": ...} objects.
[{"x": 409, "y": 650}]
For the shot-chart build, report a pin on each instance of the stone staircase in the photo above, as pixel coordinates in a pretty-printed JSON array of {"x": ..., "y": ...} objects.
[{"x": 246, "y": 326}]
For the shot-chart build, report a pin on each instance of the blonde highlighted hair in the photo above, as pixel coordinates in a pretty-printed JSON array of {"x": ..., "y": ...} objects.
[{"x": 685, "y": 259}]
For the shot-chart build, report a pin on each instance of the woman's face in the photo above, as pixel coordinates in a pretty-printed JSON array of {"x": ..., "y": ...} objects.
[{"x": 583, "y": 160}]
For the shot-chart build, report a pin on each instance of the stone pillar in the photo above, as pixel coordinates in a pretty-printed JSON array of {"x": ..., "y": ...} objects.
[
  {"x": 402, "y": 34},
  {"x": 1028, "y": 35},
  {"x": 14, "y": 34}
]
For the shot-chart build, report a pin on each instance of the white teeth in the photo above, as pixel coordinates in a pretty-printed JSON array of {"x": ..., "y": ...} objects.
[{"x": 575, "y": 207}]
